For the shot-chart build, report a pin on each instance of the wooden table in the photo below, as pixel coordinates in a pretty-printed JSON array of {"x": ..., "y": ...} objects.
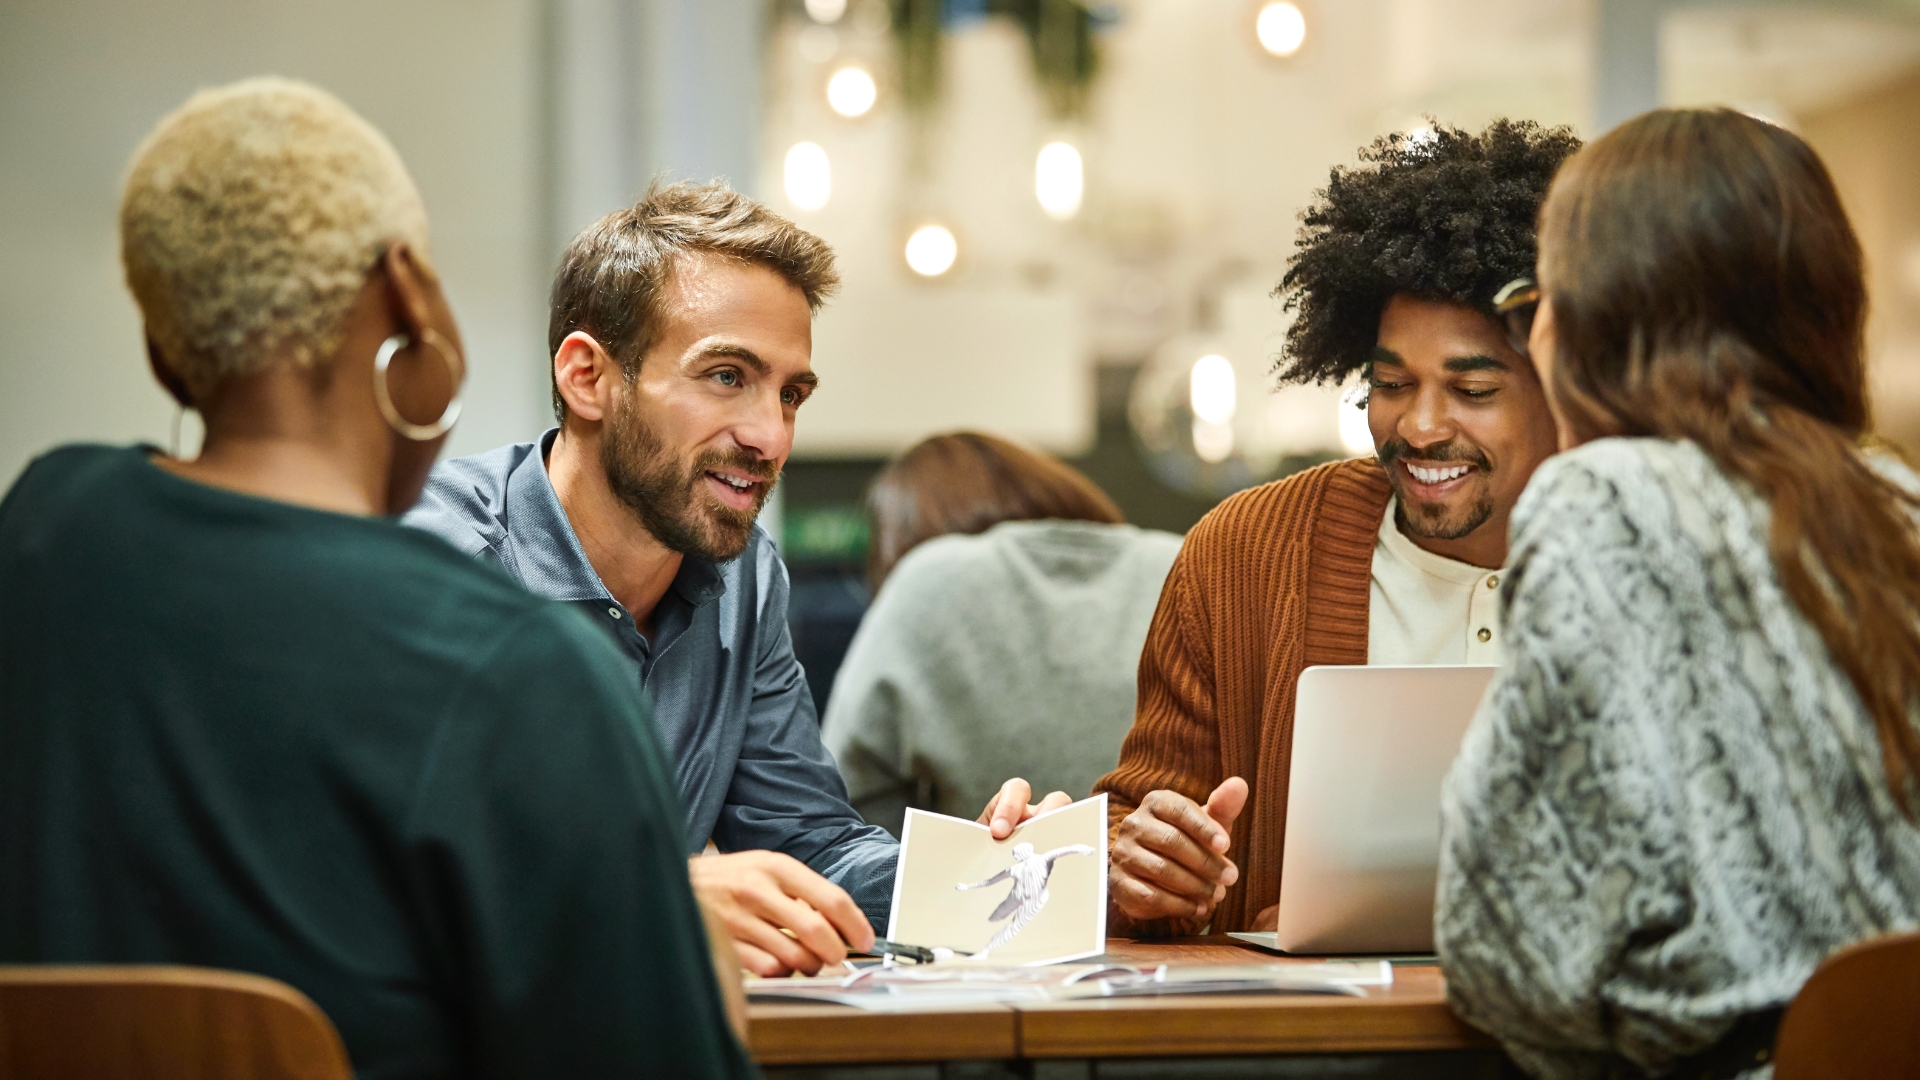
[{"x": 1409, "y": 1016}]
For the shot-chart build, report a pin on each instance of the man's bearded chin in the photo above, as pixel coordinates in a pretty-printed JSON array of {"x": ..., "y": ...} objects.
[
  {"x": 1439, "y": 520},
  {"x": 670, "y": 500}
]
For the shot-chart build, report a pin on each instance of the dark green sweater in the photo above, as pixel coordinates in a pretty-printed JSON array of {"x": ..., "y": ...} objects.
[{"x": 243, "y": 734}]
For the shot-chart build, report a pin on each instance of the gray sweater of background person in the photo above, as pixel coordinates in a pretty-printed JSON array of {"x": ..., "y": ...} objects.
[
  {"x": 1011, "y": 653},
  {"x": 1671, "y": 805}
]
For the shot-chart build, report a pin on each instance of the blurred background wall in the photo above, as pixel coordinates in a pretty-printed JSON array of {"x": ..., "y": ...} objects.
[
  {"x": 522, "y": 120},
  {"x": 452, "y": 82},
  {"x": 1069, "y": 301}
]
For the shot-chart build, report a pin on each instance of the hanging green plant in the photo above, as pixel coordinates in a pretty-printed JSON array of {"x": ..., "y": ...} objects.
[
  {"x": 917, "y": 29},
  {"x": 1066, "y": 56},
  {"x": 1060, "y": 38}
]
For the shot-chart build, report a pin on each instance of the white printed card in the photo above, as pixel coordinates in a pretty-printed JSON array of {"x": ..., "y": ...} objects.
[{"x": 1037, "y": 897}]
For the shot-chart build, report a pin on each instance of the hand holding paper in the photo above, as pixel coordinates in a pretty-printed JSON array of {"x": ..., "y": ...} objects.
[{"x": 1009, "y": 807}]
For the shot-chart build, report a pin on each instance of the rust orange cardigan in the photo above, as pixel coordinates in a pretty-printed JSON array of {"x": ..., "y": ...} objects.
[{"x": 1272, "y": 581}]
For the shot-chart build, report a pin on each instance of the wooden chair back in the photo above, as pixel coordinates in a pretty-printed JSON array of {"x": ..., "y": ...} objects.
[
  {"x": 161, "y": 1023},
  {"x": 1857, "y": 1017}
]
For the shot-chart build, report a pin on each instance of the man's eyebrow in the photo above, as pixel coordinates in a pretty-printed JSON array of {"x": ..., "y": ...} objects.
[
  {"x": 738, "y": 352},
  {"x": 760, "y": 367},
  {"x": 1383, "y": 355},
  {"x": 1476, "y": 363}
]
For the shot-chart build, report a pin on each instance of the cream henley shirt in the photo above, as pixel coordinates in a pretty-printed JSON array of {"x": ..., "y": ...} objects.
[{"x": 1427, "y": 609}]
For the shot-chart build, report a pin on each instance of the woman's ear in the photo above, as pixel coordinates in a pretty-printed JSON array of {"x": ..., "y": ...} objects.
[
  {"x": 421, "y": 379},
  {"x": 168, "y": 378},
  {"x": 409, "y": 280}
]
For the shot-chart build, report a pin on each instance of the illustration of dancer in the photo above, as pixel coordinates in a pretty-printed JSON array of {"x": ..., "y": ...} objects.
[{"x": 1029, "y": 893}]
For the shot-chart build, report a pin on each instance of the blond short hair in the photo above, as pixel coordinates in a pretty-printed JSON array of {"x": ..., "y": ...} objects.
[{"x": 250, "y": 219}]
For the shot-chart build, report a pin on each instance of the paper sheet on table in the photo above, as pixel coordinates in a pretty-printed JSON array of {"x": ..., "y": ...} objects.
[
  {"x": 1037, "y": 897},
  {"x": 957, "y": 984}
]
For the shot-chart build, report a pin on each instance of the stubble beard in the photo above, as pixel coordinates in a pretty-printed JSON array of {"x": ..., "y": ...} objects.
[
  {"x": 668, "y": 499},
  {"x": 1433, "y": 520}
]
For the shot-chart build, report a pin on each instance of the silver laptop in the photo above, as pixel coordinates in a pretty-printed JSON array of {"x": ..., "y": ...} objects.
[{"x": 1371, "y": 746}]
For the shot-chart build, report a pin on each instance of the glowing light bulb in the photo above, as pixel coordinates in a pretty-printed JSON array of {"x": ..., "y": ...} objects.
[
  {"x": 826, "y": 11},
  {"x": 1210, "y": 389},
  {"x": 1281, "y": 27},
  {"x": 851, "y": 91},
  {"x": 931, "y": 250},
  {"x": 1059, "y": 180},
  {"x": 809, "y": 177},
  {"x": 1212, "y": 443}
]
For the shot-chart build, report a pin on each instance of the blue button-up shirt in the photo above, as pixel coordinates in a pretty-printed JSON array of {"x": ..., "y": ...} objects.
[{"x": 730, "y": 700}]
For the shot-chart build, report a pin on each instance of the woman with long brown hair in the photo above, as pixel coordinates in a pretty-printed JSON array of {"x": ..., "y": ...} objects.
[
  {"x": 1695, "y": 776},
  {"x": 1004, "y": 640}
]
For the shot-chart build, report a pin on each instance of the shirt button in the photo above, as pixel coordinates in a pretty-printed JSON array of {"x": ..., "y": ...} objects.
[
  {"x": 615, "y": 612},
  {"x": 1484, "y": 634},
  {"x": 1493, "y": 581}
]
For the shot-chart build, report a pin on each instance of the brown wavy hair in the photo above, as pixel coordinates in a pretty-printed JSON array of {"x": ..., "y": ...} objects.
[
  {"x": 1706, "y": 285},
  {"x": 612, "y": 279},
  {"x": 967, "y": 482}
]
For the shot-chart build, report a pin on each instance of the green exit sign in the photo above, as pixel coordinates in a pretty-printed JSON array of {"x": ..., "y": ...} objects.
[{"x": 825, "y": 534}]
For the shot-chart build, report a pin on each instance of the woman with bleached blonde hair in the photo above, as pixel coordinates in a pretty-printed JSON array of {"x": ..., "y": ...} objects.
[{"x": 248, "y": 721}]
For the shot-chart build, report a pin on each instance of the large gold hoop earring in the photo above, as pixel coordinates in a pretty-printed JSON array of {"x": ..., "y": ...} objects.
[{"x": 400, "y": 424}]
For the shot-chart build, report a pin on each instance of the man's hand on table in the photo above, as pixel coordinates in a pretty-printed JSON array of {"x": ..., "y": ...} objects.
[
  {"x": 758, "y": 894},
  {"x": 1010, "y": 807},
  {"x": 1170, "y": 855}
]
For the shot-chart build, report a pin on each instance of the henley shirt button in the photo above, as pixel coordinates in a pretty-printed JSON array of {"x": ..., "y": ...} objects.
[
  {"x": 615, "y": 612},
  {"x": 1485, "y": 634},
  {"x": 1493, "y": 581}
]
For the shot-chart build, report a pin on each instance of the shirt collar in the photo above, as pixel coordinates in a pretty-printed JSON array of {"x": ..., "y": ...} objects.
[
  {"x": 699, "y": 580},
  {"x": 547, "y": 555}
]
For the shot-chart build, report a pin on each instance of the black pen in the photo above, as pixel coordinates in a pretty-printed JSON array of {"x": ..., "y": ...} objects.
[{"x": 882, "y": 947}]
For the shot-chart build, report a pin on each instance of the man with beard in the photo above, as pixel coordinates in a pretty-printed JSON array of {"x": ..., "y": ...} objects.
[
  {"x": 1386, "y": 560},
  {"x": 681, "y": 339}
]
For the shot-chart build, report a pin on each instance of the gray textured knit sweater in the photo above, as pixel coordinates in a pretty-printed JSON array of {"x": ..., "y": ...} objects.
[
  {"x": 1010, "y": 653},
  {"x": 1671, "y": 806}
]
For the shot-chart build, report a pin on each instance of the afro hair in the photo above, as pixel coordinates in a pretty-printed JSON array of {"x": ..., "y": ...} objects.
[{"x": 1441, "y": 215}]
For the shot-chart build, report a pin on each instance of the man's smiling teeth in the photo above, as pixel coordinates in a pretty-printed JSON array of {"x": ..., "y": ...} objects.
[
  {"x": 1439, "y": 476},
  {"x": 733, "y": 482}
]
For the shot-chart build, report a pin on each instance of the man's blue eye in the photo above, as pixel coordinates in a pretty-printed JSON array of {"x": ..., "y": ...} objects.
[{"x": 727, "y": 378}]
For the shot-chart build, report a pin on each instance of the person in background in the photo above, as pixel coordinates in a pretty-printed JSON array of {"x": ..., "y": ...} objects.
[
  {"x": 1386, "y": 560},
  {"x": 1694, "y": 776},
  {"x": 681, "y": 345},
  {"x": 1011, "y": 603},
  {"x": 247, "y": 721}
]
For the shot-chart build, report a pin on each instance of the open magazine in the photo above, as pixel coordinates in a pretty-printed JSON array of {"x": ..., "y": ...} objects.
[{"x": 899, "y": 988}]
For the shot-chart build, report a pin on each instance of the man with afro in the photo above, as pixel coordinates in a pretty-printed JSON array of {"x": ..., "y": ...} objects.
[{"x": 1392, "y": 559}]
